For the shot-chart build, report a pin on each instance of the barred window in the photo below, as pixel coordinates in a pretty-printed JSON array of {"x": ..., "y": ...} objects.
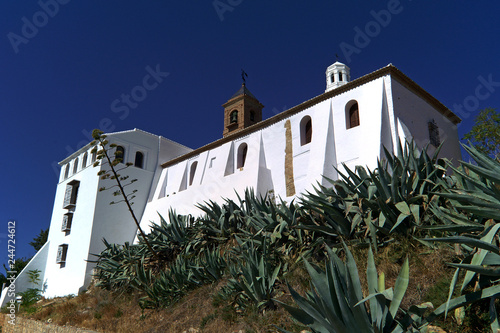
[
  {"x": 67, "y": 219},
  {"x": 62, "y": 250},
  {"x": 71, "y": 194},
  {"x": 434, "y": 133}
]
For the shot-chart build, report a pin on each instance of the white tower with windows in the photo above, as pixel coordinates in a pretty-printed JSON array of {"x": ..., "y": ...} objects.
[{"x": 337, "y": 75}]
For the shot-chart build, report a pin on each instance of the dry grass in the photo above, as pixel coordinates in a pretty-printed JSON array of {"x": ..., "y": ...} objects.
[{"x": 106, "y": 311}]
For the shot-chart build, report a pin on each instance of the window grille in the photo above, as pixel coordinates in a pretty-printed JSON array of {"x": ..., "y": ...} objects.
[
  {"x": 71, "y": 194},
  {"x": 62, "y": 250},
  {"x": 66, "y": 224},
  {"x": 434, "y": 133}
]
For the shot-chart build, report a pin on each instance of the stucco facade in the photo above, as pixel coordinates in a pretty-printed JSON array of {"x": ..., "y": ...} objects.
[{"x": 282, "y": 156}]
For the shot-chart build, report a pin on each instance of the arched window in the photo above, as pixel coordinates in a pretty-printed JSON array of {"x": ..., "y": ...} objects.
[
  {"x": 305, "y": 130},
  {"x": 120, "y": 154},
  {"x": 84, "y": 162},
  {"x": 139, "y": 159},
  {"x": 192, "y": 172},
  {"x": 352, "y": 114},
  {"x": 252, "y": 115},
  {"x": 233, "y": 117},
  {"x": 94, "y": 156},
  {"x": 66, "y": 171},
  {"x": 242, "y": 155},
  {"x": 75, "y": 166},
  {"x": 332, "y": 77}
]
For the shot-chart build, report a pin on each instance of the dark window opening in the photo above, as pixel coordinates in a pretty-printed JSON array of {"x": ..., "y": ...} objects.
[
  {"x": 84, "y": 162},
  {"x": 340, "y": 76},
  {"x": 252, "y": 116},
  {"x": 120, "y": 154},
  {"x": 139, "y": 159},
  {"x": 75, "y": 166},
  {"x": 242, "y": 155},
  {"x": 354, "y": 115},
  {"x": 332, "y": 77},
  {"x": 233, "y": 118},
  {"x": 192, "y": 172},
  {"x": 305, "y": 130},
  {"x": 66, "y": 171}
]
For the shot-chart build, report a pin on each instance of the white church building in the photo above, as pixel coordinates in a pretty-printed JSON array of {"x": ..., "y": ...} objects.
[{"x": 282, "y": 156}]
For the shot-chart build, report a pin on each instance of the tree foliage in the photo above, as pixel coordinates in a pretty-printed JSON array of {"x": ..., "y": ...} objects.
[
  {"x": 485, "y": 134},
  {"x": 40, "y": 240}
]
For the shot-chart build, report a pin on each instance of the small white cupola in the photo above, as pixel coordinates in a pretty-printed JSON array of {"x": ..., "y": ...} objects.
[{"x": 337, "y": 75}]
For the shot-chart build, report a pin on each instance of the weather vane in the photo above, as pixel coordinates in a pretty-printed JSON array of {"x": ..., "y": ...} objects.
[
  {"x": 243, "y": 75},
  {"x": 337, "y": 56}
]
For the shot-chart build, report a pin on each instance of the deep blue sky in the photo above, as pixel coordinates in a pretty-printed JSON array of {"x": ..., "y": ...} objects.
[{"x": 60, "y": 81}]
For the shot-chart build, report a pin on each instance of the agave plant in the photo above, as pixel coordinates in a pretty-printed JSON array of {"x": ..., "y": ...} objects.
[
  {"x": 394, "y": 198},
  {"x": 473, "y": 214},
  {"x": 335, "y": 302},
  {"x": 253, "y": 278},
  {"x": 116, "y": 265}
]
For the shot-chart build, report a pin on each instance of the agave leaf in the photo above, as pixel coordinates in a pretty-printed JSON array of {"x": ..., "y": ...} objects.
[
  {"x": 454, "y": 228},
  {"x": 491, "y": 259},
  {"x": 312, "y": 317},
  {"x": 466, "y": 240},
  {"x": 403, "y": 208},
  {"x": 353, "y": 272},
  {"x": 485, "y": 212},
  {"x": 371, "y": 276},
  {"x": 473, "y": 198},
  {"x": 488, "y": 271},
  {"x": 453, "y": 284},
  {"x": 488, "y": 173},
  {"x": 495, "y": 327},
  {"x": 464, "y": 300},
  {"x": 479, "y": 256},
  {"x": 400, "y": 287},
  {"x": 415, "y": 211},
  {"x": 356, "y": 293},
  {"x": 401, "y": 218},
  {"x": 345, "y": 307}
]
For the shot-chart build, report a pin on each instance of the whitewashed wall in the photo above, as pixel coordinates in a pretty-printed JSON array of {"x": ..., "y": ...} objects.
[{"x": 384, "y": 105}]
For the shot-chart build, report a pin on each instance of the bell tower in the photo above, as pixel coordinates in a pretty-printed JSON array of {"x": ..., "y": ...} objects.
[
  {"x": 337, "y": 75},
  {"x": 241, "y": 111}
]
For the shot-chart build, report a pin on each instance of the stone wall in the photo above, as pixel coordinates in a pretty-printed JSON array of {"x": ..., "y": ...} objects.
[{"x": 23, "y": 325}]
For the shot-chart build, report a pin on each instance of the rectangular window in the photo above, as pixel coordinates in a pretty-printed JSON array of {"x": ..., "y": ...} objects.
[
  {"x": 212, "y": 160},
  {"x": 71, "y": 194},
  {"x": 67, "y": 219},
  {"x": 434, "y": 134},
  {"x": 62, "y": 250}
]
